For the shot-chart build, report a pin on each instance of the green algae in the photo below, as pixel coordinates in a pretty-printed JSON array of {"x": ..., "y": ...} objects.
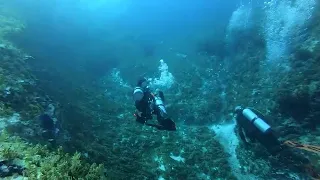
[{"x": 42, "y": 163}]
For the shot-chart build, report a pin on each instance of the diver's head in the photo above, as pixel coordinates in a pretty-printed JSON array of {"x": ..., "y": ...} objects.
[
  {"x": 142, "y": 87},
  {"x": 238, "y": 109},
  {"x": 143, "y": 83}
]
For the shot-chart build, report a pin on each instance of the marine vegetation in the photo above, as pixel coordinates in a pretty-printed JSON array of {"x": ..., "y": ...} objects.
[
  {"x": 39, "y": 162},
  {"x": 229, "y": 90}
]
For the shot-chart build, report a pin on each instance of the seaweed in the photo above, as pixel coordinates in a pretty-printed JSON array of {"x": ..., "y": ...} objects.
[{"x": 41, "y": 162}]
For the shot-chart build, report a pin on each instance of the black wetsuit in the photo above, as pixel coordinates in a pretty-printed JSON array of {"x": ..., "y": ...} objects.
[
  {"x": 147, "y": 107},
  {"x": 249, "y": 130},
  {"x": 286, "y": 156}
]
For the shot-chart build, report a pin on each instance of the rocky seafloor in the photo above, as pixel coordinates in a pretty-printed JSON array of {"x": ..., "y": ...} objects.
[{"x": 99, "y": 138}]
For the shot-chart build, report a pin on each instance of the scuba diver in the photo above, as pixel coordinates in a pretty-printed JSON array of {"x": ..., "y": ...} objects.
[
  {"x": 148, "y": 104},
  {"x": 49, "y": 126},
  {"x": 252, "y": 127}
]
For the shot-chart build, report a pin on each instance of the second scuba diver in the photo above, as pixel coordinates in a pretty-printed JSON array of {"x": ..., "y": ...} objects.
[
  {"x": 148, "y": 104},
  {"x": 252, "y": 127}
]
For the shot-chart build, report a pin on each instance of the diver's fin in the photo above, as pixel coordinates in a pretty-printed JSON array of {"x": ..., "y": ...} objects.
[
  {"x": 166, "y": 124},
  {"x": 169, "y": 124},
  {"x": 155, "y": 125}
]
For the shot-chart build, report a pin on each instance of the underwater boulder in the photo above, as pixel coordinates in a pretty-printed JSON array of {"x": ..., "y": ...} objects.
[
  {"x": 303, "y": 54},
  {"x": 314, "y": 116},
  {"x": 295, "y": 105},
  {"x": 9, "y": 168}
]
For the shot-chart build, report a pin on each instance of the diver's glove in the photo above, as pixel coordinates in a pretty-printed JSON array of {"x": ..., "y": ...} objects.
[
  {"x": 139, "y": 118},
  {"x": 166, "y": 124}
]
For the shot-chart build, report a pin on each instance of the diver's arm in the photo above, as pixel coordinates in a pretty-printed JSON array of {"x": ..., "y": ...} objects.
[
  {"x": 240, "y": 128},
  {"x": 139, "y": 105},
  {"x": 241, "y": 134}
]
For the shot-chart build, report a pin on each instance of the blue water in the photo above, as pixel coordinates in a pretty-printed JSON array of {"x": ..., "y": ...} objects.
[
  {"x": 96, "y": 36},
  {"x": 77, "y": 45},
  {"x": 82, "y": 28}
]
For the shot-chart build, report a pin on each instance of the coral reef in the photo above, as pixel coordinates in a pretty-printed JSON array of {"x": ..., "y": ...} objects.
[
  {"x": 21, "y": 102},
  {"x": 39, "y": 162},
  {"x": 168, "y": 155},
  {"x": 9, "y": 25},
  {"x": 96, "y": 119}
]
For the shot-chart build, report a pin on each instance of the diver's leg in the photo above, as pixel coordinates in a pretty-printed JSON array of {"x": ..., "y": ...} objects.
[{"x": 270, "y": 142}]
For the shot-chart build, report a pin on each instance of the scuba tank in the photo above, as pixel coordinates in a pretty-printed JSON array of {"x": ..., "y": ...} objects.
[
  {"x": 256, "y": 121},
  {"x": 138, "y": 94},
  {"x": 159, "y": 104}
]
